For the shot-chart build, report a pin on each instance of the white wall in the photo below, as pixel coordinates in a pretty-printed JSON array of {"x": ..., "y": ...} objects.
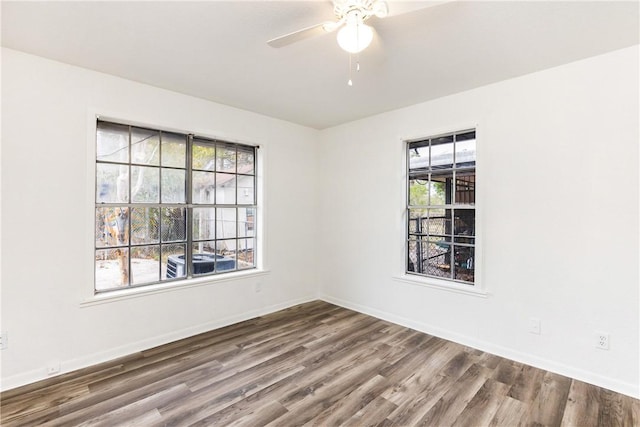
[
  {"x": 558, "y": 213},
  {"x": 47, "y": 193},
  {"x": 558, "y": 217}
]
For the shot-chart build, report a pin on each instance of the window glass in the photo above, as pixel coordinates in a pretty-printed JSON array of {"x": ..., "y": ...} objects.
[
  {"x": 173, "y": 186},
  {"x": 174, "y": 150},
  {"x": 145, "y": 225},
  {"x": 226, "y": 159},
  {"x": 112, "y": 143},
  {"x": 145, "y": 146},
  {"x": 441, "y": 213},
  {"x": 245, "y": 161},
  {"x": 112, "y": 183},
  {"x": 148, "y": 195},
  {"x": 145, "y": 185},
  {"x": 204, "y": 155}
]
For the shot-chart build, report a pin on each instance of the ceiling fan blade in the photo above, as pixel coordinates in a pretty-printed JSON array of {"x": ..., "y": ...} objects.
[{"x": 305, "y": 33}]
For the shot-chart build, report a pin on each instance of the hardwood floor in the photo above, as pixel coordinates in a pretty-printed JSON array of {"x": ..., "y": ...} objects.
[{"x": 316, "y": 365}]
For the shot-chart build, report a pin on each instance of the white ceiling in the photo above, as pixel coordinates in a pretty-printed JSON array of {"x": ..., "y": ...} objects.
[{"x": 217, "y": 50}]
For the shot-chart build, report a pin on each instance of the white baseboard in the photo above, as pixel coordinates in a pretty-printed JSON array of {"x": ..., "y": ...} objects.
[
  {"x": 114, "y": 353},
  {"x": 628, "y": 389}
]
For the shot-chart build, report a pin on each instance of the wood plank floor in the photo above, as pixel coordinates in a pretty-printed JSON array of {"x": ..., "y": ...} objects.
[{"x": 315, "y": 365}]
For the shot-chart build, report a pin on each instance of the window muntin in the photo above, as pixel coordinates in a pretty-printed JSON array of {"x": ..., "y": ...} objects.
[
  {"x": 170, "y": 206},
  {"x": 441, "y": 238}
]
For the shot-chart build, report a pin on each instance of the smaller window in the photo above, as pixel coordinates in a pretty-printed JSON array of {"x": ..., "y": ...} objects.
[{"x": 441, "y": 215}]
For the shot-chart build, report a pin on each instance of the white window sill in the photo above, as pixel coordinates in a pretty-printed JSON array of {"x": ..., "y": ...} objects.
[
  {"x": 443, "y": 285},
  {"x": 128, "y": 293}
]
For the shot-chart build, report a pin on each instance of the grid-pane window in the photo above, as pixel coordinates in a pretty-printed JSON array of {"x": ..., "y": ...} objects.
[
  {"x": 170, "y": 206},
  {"x": 441, "y": 215}
]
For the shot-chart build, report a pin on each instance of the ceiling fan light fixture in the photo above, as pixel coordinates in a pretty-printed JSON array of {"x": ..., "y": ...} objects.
[{"x": 355, "y": 36}]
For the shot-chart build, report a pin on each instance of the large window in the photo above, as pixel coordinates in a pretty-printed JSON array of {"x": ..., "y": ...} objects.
[
  {"x": 441, "y": 216},
  {"x": 170, "y": 206}
]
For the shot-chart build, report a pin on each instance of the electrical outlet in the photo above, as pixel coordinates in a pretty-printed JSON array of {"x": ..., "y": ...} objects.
[
  {"x": 4, "y": 340},
  {"x": 53, "y": 368},
  {"x": 534, "y": 325},
  {"x": 258, "y": 287},
  {"x": 602, "y": 340}
]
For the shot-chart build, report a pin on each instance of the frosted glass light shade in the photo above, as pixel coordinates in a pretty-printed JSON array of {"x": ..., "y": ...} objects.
[{"x": 355, "y": 37}]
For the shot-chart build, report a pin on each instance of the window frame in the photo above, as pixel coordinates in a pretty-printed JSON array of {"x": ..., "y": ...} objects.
[
  {"x": 473, "y": 287},
  {"x": 189, "y": 279}
]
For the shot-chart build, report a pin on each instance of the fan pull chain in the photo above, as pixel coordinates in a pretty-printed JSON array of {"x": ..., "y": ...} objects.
[{"x": 350, "y": 82}]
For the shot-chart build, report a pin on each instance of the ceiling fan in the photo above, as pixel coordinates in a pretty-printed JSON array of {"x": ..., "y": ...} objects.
[{"x": 354, "y": 36}]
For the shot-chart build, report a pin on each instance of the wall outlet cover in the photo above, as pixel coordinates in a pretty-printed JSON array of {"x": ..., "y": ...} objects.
[
  {"x": 602, "y": 340},
  {"x": 534, "y": 325}
]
